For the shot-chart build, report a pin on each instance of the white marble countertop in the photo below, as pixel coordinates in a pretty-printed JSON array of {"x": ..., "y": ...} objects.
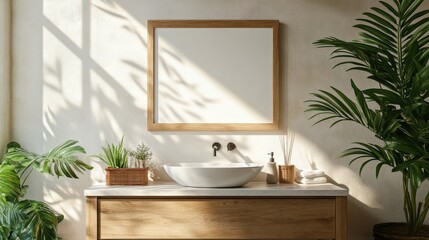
[{"x": 252, "y": 189}]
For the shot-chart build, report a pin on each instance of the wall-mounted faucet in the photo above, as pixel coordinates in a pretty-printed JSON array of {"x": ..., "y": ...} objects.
[
  {"x": 216, "y": 147},
  {"x": 231, "y": 146}
]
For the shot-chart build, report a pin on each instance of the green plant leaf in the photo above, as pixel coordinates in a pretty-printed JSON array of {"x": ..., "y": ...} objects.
[
  {"x": 390, "y": 8},
  {"x": 12, "y": 215},
  {"x": 378, "y": 168},
  {"x": 393, "y": 52},
  {"x": 28, "y": 219},
  {"x": 385, "y": 16},
  {"x": 388, "y": 96},
  {"x": 411, "y": 9},
  {"x": 381, "y": 38},
  {"x": 115, "y": 156},
  {"x": 9, "y": 182},
  {"x": 41, "y": 222},
  {"x": 60, "y": 161},
  {"x": 377, "y": 26}
]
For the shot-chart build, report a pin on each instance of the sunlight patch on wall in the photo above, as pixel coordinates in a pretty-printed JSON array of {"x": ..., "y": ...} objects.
[
  {"x": 58, "y": 201},
  {"x": 101, "y": 104},
  {"x": 67, "y": 16},
  {"x": 62, "y": 73},
  {"x": 103, "y": 90},
  {"x": 62, "y": 63},
  {"x": 122, "y": 67}
]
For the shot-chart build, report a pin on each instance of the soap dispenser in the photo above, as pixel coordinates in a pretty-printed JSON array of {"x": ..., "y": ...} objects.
[{"x": 271, "y": 170}]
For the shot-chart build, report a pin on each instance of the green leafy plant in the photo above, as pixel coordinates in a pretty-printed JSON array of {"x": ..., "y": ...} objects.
[
  {"x": 393, "y": 51},
  {"x": 30, "y": 219},
  {"x": 115, "y": 156},
  {"x": 142, "y": 154}
]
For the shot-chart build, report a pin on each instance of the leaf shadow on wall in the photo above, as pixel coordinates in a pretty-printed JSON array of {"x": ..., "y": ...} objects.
[
  {"x": 160, "y": 142},
  {"x": 102, "y": 109}
]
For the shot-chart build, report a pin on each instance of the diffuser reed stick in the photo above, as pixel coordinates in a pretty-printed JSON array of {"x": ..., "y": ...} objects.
[{"x": 286, "y": 142}]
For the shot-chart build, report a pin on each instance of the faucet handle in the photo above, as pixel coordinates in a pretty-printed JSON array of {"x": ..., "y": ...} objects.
[
  {"x": 216, "y": 147},
  {"x": 231, "y": 146}
]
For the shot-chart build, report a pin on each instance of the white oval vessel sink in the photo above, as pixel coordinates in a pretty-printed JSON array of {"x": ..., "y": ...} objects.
[{"x": 213, "y": 175}]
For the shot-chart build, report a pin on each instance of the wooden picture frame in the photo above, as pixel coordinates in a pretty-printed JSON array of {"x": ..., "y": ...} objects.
[{"x": 154, "y": 125}]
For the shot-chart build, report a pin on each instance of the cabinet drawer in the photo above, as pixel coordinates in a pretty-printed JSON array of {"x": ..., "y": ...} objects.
[{"x": 217, "y": 218}]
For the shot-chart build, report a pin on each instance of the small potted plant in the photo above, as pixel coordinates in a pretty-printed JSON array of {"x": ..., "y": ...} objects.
[
  {"x": 141, "y": 157},
  {"x": 115, "y": 156},
  {"x": 117, "y": 171}
]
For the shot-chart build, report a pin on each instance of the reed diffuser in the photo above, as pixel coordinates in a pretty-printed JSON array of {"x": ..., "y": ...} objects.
[{"x": 287, "y": 171}]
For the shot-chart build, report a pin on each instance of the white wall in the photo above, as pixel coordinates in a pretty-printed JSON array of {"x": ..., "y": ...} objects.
[
  {"x": 5, "y": 17},
  {"x": 79, "y": 71}
]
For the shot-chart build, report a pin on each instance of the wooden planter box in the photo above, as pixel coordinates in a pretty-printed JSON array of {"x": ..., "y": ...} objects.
[{"x": 126, "y": 176}]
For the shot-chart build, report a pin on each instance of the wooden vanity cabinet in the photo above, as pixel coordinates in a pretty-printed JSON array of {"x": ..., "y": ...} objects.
[{"x": 301, "y": 218}]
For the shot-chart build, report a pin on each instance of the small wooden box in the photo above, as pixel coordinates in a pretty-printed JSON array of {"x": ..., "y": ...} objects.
[
  {"x": 126, "y": 176},
  {"x": 287, "y": 174}
]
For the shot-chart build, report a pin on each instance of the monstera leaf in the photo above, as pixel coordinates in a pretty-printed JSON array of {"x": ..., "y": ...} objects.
[
  {"x": 30, "y": 219},
  {"x": 41, "y": 221},
  {"x": 9, "y": 183}
]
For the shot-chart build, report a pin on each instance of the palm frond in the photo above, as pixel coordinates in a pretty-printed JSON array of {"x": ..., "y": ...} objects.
[
  {"x": 371, "y": 152},
  {"x": 393, "y": 50}
]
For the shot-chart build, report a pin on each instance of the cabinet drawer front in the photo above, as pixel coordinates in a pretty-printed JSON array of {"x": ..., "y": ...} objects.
[{"x": 217, "y": 218}]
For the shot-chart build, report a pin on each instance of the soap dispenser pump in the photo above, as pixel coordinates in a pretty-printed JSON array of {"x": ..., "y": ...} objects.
[{"x": 271, "y": 170}]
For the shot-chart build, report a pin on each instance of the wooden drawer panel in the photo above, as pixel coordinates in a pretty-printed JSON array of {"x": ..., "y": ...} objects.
[{"x": 217, "y": 218}]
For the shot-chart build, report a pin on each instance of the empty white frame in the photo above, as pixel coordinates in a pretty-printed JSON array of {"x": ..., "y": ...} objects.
[{"x": 213, "y": 75}]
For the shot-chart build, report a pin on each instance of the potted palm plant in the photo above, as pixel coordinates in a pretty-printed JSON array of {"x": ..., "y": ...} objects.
[
  {"x": 22, "y": 218},
  {"x": 393, "y": 51}
]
